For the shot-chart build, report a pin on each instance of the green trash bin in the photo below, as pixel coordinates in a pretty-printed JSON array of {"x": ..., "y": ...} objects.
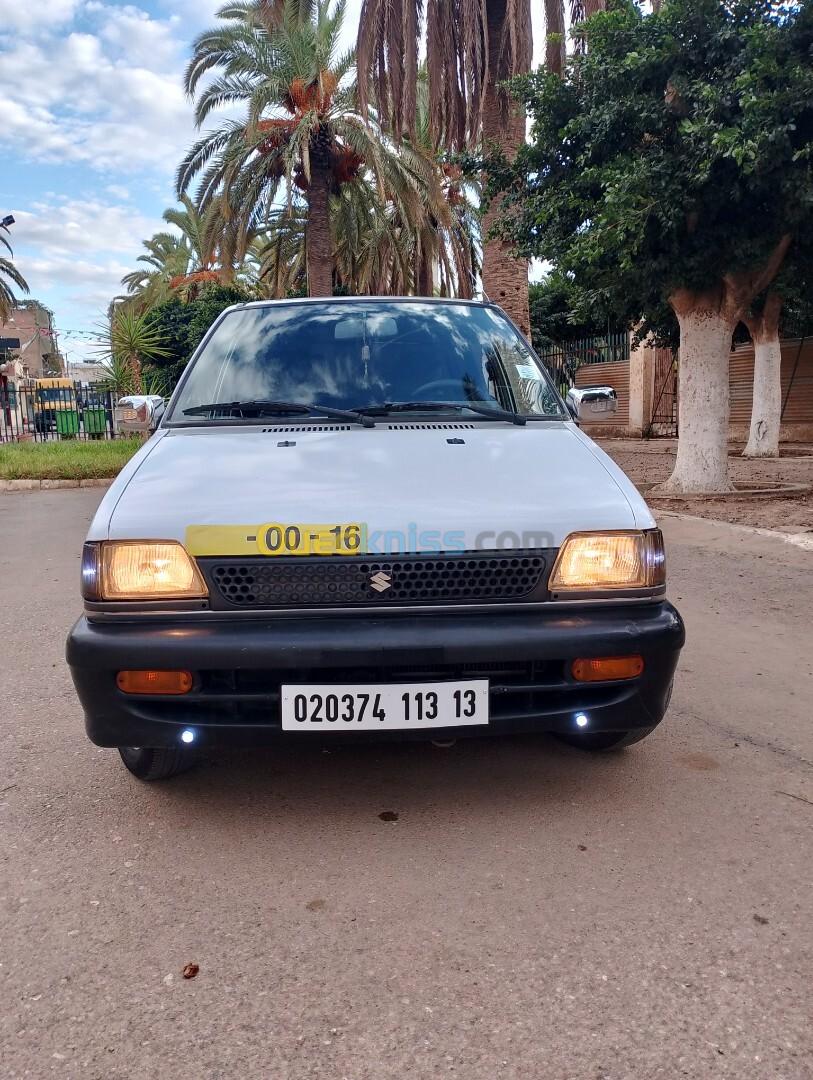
[
  {"x": 95, "y": 422},
  {"x": 67, "y": 423}
]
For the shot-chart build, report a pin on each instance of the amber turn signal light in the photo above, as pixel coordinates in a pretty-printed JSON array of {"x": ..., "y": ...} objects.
[
  {"x": 607, "y": 668},
  {"x": 154, "y": 682}
]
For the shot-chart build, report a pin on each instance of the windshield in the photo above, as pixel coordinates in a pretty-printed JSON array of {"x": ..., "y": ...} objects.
[
  {"x": 56, "y": 394},
  {"x": 367, "y": 356}
]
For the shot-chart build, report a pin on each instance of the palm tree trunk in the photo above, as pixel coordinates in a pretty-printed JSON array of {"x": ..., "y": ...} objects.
[
  {"x": 426, "y": 286},
  {"x": 505, "y": 278},
  {"x": 424, "y": 278},
  {"x": 555, "y": 35},
  {"x": 319, "y": 247}
]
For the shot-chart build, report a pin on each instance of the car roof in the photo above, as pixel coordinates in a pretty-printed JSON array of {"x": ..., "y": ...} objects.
[{"x": 442, "y": 300}]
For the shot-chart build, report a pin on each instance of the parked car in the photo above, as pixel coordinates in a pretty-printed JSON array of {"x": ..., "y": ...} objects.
[
  {"x": 370, "y": 517},
  {"x": 138, "y": 412}
]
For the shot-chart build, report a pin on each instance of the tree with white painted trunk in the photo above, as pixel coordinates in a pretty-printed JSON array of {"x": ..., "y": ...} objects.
[
  {"x": 671, "y": 166},
  {"x": 766, "y": 410},
  {"x": 784, "y": 310}
]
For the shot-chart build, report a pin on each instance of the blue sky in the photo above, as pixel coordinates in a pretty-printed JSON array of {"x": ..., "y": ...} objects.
[{"x": 93, "y": 121}]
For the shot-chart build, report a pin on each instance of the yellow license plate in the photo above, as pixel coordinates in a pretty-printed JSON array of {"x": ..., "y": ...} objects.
[{"x": 277, "y": 538}]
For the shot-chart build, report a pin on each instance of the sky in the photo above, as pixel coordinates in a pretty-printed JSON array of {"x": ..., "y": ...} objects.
[{"x": 93, "y": 122}]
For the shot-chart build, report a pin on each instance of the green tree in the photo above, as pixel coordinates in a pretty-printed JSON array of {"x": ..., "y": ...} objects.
[
  {"x": 8, "y": 270},
  {"x": 672, "y": 164},
  {"x": 181, "y": 326},
  {"x": 302, "y": 129},
  {"x": 558, "y": 312}
]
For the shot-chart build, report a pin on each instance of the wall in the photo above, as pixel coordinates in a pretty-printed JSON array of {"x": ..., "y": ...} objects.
[{"x": 797, "y": 421}]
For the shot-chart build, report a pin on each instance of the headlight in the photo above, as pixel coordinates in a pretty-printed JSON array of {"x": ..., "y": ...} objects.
[
  {"x": 140, "y": 570},
  {"x": 613, "y": 560}
]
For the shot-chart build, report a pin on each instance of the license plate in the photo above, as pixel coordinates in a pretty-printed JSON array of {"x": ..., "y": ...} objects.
[{"x": 384, "y": 707}]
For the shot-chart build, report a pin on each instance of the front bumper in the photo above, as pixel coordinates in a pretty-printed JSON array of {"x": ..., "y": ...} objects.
[{"x": 240, "y": 663}]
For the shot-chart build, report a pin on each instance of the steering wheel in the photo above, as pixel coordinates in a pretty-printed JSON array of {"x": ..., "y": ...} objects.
[{"x": 436, "y": 388}]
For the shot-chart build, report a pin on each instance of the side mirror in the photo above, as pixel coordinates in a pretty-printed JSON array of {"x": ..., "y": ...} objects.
[
  {"x": 138, "y": 412},
  {"x": 591, "y": 402}
]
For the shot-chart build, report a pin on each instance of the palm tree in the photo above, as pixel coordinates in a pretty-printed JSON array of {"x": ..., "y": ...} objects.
[
  {"x": 210, "y": 248},
  {"x": 374, "y": 250},
  {"x": 278, "y": 255},
  {"x": 302, "y": 130},
  {"x": 580, "y": 10},
  {"x": 10, "y": 271},
  {"x": 446, "y": 238},
  {"x": 555, "y": 31},
  {"x": 470, "y": 49},
  {"x": 555, "y": 36},
  {"x": 126, "y": 343},
  {"x": 167, "y": 257}
]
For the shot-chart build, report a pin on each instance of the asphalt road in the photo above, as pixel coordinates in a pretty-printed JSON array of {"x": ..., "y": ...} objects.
[{"x": 532, "y": 912}]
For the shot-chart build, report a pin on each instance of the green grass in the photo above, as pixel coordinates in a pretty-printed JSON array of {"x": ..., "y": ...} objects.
[{"x": 67, "y": 459}]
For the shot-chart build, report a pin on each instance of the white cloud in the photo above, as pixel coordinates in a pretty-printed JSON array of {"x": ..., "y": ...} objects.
[
  {"x": 81, "y": 247},
  {"x": 146, "y": 42},
  {"x": 65, "y": 225},
  {"x": 112, "y": 99},
  {"x": 19, "y": 15}
]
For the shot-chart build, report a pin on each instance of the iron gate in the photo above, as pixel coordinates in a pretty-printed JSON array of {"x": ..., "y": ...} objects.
[
  {"x": 565, "y": 359},
  {"x": 45, "y": 413},
  {"x": 664, "y": 421}
]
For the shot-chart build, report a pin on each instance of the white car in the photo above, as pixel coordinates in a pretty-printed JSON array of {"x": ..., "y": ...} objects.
[{"x": 368, "y": 517}]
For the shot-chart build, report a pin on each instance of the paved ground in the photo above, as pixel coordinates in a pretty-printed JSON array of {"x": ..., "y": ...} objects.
[{"x": 532, "y": 913}]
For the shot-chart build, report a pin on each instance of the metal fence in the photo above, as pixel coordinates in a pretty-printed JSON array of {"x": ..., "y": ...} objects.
[
  {"x": 47, "y": 413},
  {"x": 564, "y": 360}
]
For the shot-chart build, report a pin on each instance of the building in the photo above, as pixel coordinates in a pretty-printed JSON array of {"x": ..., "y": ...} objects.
[
  {"x": 28, "y": 343},
  {"x": 86, "y": 371}
]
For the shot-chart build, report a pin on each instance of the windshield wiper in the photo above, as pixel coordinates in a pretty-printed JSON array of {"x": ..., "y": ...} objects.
[
  {"x": 494, "y": 413},
  {"x": 262, "y": 406}
]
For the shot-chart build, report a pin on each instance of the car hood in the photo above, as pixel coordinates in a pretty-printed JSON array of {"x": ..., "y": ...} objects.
[{"x": 416, "y": 486}]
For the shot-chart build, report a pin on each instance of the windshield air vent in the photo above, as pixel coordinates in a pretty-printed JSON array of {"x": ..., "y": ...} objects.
[
  {"x": 309, "y": 429},
  {"x": 428, "y": 427}
]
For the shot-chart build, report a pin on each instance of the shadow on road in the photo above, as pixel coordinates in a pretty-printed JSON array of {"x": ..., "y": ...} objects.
[{"x": 475, "y": 777}]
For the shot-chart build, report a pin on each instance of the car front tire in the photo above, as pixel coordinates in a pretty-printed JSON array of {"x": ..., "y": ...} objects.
[{"x": 157, "y": 763}]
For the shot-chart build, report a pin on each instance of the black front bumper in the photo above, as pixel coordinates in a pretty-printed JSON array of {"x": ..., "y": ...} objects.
[{"x": 240, "y": 663}]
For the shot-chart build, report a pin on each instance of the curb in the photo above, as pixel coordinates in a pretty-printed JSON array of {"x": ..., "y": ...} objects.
[
  {"x": 778, "y": 491},
  {"x": 50, "y": 485},
  {"x": 799, "y": 540}
]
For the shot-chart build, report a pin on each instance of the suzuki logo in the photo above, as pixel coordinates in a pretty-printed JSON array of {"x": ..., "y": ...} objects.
[{"x": 381, "y": 581}]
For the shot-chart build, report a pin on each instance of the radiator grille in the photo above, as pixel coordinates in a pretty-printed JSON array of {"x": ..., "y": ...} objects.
[{"x": 404, "y": 579}]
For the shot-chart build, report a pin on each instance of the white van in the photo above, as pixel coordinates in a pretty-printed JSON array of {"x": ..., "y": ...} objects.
[{"x": 370, "y": 517}]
